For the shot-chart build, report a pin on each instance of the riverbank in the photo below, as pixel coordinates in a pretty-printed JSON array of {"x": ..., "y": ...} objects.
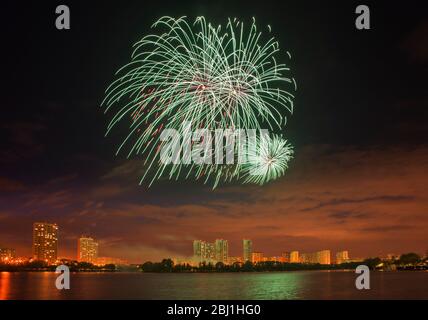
[{"x": 168, "y": 266}]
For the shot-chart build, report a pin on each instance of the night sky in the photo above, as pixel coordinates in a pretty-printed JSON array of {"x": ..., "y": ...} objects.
[{"x": 358, "y": 180}]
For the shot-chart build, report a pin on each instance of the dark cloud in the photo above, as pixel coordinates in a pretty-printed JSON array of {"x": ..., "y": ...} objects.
[
  {"x": 343, "y": 215},
  {"x": 9, "y": 185},
  {"x": 336, "y": 202},
  {"x": 392, "y": 228},
  {"x": 21, "y": 141}
]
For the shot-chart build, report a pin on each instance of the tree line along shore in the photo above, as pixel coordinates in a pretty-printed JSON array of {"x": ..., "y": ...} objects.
[{"x": 409, "y": 261}]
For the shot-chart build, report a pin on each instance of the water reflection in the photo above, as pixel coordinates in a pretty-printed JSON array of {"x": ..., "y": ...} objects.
[
  {"x": 274, "y": 285},
  {"x": 4, "y": 285},
  {"x": 270, "y": 285}
]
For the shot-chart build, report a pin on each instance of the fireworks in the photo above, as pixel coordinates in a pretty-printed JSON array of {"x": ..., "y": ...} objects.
[
  {"x": 267, "y": 160},
  {"x": 213, "y": 77}
]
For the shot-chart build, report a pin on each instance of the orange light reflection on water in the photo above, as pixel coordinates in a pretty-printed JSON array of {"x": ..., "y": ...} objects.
[{"x": 4, "y": 285}]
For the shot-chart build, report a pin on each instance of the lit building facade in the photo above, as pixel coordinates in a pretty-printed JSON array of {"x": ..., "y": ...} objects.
[
  {"x": 203, "y": 251},
  {"x": 197, "y": 248},
  {"x": 221, "y": 251},
  {"x": 307, "y": 258},
  {"x": 257, "y": 257},
  {"x": 248, "y": 249},
  {"x": 87, "y": 250},
  {"x": 7, "y": 254},
  {"x": 285, "y": 257},
  {"x": 45, "y": 241},
  {"x": 324, "y": 257},
  {"x": 210, "y": 251},
  {"x": 294, "y": 257},
  {"x": 342, "y": 257},
  {"x": 321, "y": 257}
]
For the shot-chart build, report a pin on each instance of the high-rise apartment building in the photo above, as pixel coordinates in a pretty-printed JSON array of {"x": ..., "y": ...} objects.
[
  {"x": 45, "y": 241},
  {"x": 221, "y": 251},
  {"x": 203, "y": 251},
  {"x": 294, "y": 257},
  {"x": 342, "y": 257},
  {"x": 197, "y": 248},
  {"x": 87, "y": 250},
  {"x": 324, "y": 257},
  {"x": 321, "y": 257},
  {"x": 210, "y": 251},
  {"x": 248, "y": 249}
]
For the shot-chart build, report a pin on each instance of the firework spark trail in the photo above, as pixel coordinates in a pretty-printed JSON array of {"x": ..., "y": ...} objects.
[{"x": 214, "y": 77}]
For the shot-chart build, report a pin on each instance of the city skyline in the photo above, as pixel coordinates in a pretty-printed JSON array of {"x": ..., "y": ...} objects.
[
  {"x": 208, "y": 252},
  {"x": 45, "y": 247}
]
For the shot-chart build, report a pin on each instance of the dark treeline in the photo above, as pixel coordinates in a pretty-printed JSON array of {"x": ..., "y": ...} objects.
[
  {"x": 167, "y": 265},
  {"x": 44, "y": 266},
  {"x": 407, "y": 261}
]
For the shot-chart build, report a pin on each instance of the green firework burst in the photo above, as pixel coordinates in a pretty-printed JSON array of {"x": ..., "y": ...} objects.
[
  {"x": 267, "y": 159},
  {"x": 212, "y": 76}
]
